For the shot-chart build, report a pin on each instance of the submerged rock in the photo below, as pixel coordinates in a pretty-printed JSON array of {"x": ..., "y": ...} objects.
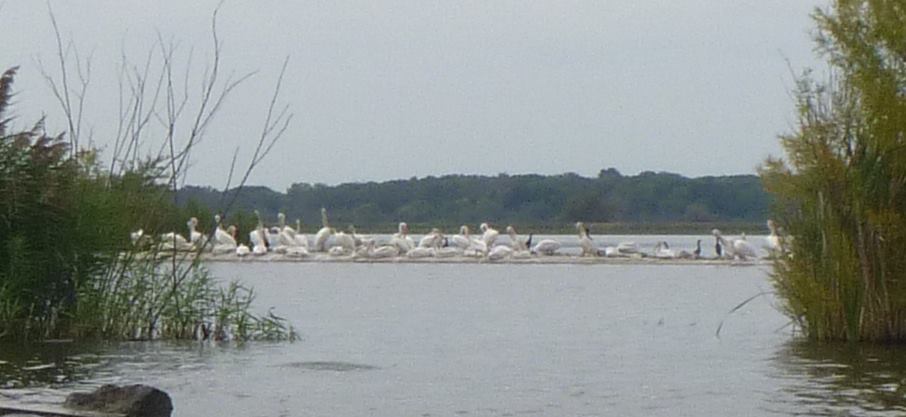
[{"x": 130, "y": 400}]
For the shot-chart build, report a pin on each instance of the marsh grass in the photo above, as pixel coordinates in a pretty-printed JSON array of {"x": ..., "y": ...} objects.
[
  {"x": 842, "y": 191},
  {"x": 142, "y": 303},
  {"x": 68, "y": 268}
]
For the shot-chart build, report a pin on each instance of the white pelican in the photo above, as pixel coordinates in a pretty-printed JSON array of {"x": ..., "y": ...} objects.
[
  {"x": 662, "y": 251},
  {"x": 300, "y": 238},
  {"x": 360, "y": 240},
  {"x": 381, "y": 252},
  {"x": 196, "y": 238},
  {"x": 431, "y": 240},
  {"x": 242, "y": 250},
  {"x": 772, "y": 242},
  {"x": 628, "y": 248},
  {"x": 500, "y": 252},
  {"x": 256, "y": 238},
  {"x": 470, "y": 245},
  {"x": 462, "y": 240},
  {"x": 323, "y": 234},
  {"x": 401, "y": 239},
  {"x": 259, "y": 244},
  {"x": 588, "y": 247},
  {"x": 223, "y": 239},
  {"x": 221, "y": 236},
  {"x": 515, "y": 243},
  {"x": 344, "y": 241},
  {"x": 420, "y": 252},
  {"x": 488, "y": 234},
  {"x": 174, "y": 241},
  {"x": 286, "y": 236},
  {"x": 477, "y": 248},
  {"x": 281, "y": 221},
  {"x": 735, "y": 248},
  {"x": 546, "y": 247},
  {"x": 272, "y": 234}
]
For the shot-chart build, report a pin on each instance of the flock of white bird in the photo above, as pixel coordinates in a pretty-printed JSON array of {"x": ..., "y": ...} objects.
[{"x": 292, "y": 242}]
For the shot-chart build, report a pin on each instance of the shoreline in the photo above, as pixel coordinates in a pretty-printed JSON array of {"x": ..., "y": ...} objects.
[{"x": 535, "y": 260}]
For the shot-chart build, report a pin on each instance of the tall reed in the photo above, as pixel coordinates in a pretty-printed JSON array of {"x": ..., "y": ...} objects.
[{"x": 841, "y": 192}]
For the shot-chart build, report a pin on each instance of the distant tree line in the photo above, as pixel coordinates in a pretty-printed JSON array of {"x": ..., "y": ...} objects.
[{"x": 528, "y": 200}]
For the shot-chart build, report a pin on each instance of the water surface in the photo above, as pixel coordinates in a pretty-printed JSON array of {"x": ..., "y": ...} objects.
[{"x": 493, "y": 340}]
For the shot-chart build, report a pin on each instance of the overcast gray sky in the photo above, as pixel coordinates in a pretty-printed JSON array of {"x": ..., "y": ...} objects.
[{"x": 394, "y": 89}]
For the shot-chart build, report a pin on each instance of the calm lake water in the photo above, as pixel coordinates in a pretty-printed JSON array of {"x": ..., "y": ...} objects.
[{"x": 493, "y": 340}]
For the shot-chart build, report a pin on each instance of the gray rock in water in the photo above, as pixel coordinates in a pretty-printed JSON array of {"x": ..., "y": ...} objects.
[{"x": 131, "y": 400}]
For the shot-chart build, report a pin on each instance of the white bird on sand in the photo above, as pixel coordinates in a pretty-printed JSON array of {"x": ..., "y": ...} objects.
[
  {"x": 420, "y": 252},
  {"x": 515, "y": 243},
  {"x": 547, "y": 247},
  {"x": 736, "y": 248},
  {"x": 500, "y": 252},
  {"x": 628, "y": 248},
  {"x": 300, "y": 238},
  {"x": 174, "y": 241},
  {"x": 347, "y": 242},
  {"x": 401, "y": 239},
  {"x": 259, "y": 250},
  {"x": 382, "y": 252},
  {"x": 488, "y": 234},
  {"x": 286, "y": 235},
  {"x": 256, "y": 238},
  {"x": 432, "y": 239},
  {"x": 196, "y": 238},
  {"x": 477, "y": 248},
  {"x": 223, "y": 239},
  {"x": 222, "y": 236},
  {"x": 360, "y": 240},
  {"x": 272, "y": 234},
  {"x": 323, "y": 234},
  {"x": 462, "y": 240},
  {"x": 772, "y": 242},
  {"x": 585, "y": 242},
  {"x": 662, "y": 251},
  {"x": 259, "y": 242}
]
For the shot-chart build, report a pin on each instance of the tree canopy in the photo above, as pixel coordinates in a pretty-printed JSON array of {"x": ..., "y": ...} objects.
[{"x": 524, "y": 199}]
